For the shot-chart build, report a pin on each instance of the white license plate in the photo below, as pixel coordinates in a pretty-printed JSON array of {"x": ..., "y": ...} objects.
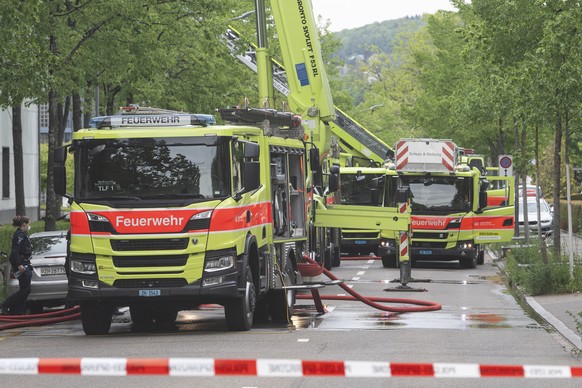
[
  {"x": 52, "y": 271},
  {"x": 425, "y": 252},
  {"x": 150, "y": 292}
]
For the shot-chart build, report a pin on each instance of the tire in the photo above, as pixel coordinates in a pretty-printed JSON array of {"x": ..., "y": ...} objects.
[
  {"x": 337, "y": 255},
  {"x": 281, "y": 305},
  {"x": 96, "y": 317},
  {"x": 481, "y": 256},
  {"x": 468, "y": 262},
  {"x": 239, "y": 312},
  {"x": 390, "y": 261}
]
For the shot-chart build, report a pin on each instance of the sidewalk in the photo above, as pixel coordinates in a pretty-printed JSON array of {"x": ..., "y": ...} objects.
[{"x": 556, "y": 309}]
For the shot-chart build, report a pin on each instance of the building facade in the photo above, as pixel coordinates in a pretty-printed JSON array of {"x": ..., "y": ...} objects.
[{"x": 31, "y": 160}]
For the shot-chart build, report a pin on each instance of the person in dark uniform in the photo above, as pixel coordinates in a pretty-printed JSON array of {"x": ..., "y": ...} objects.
[{"x": 15, "y": 304}]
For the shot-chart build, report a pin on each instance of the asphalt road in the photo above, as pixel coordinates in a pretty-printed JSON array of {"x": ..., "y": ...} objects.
[{"x": 479, "y": 323}]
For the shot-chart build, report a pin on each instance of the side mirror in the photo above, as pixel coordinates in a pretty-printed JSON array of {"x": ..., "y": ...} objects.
[
  {"x": 60, "y": 171},
  {"x": 252, "y": 177},
  {"x": 334, "y": 178},
  {"x": 482, "y": 201},
  {"x": 251, "y": 150},
  {"x": 314, "y": 159},
  {"x": 403, "y": 194}
]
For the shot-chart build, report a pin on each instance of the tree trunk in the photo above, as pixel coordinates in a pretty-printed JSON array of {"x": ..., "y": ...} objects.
[
  {"x": 77, "y": 112},
  {"x": 557, "y": 175},
  {"x": 543, "y": 247},
  {"x": 53, "y": 202},
  {"x": 517, "y": 176},
  {"x": 18, "y": 157},
  {"x": 523, "y": 168}
]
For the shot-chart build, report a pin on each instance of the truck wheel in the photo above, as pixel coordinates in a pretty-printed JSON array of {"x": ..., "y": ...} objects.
[
  {"x": 96, "y": 317},
  {"x": 336, "y": 260},
  {"x": 390, "y": 261},
  {"x": 239, "y": 312},
  {"x": 281, "y": 305},
  {"x": 468, "y": 262},
  {"x": 481, "y": 256}
]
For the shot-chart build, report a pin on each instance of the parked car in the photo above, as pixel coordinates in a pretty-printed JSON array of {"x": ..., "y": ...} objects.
[
  {"x": 530, "y": 190},
  {"x": 546, "y": 214},
  {"x": 49, "y": 280}
]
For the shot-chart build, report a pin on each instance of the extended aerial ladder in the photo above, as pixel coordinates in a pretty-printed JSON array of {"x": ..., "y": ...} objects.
[{"x": 353, "y": 138}]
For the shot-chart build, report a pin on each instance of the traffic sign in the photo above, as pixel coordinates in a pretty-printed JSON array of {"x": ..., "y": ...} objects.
[{"x": 505, "y": 165}]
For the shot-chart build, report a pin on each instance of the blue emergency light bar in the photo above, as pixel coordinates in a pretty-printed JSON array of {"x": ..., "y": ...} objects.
[{"x": 152, "y": 120}]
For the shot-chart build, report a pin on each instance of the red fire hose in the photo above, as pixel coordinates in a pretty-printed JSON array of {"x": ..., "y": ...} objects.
[
  {"x": 15, "y": 321},
  {"x": 420, "y": 305}
]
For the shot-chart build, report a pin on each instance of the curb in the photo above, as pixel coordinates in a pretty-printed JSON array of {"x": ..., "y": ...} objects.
[
  {"x": 565, "y": 331},
  {"x": 555, "y": 322}
]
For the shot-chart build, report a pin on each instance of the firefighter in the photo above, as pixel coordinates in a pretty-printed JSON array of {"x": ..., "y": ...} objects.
[{"x": 20, "y": 261}]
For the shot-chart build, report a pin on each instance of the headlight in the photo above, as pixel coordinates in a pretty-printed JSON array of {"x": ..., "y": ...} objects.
[
  {"x": 202, "y": 215},
  {"x": 219, "y": 263},
  {"x": 96, "y": 217},
  {"x": 83, "y": 267},
  {"x": 387, "y": 243},
  {"x": 465, "y": 245}
]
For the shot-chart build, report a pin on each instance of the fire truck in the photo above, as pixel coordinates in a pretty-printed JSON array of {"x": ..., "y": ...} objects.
[
  {"x": 170, "y": 211},
  {"x": 451, "y": 216}
]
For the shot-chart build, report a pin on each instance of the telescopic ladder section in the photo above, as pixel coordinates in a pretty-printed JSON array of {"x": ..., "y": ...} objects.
[{"x": 352, "y": 136}]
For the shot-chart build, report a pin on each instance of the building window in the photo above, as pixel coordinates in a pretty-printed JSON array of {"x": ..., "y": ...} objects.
[
  {"x": 5, "y": 172},
  {"x": 43, "y": 115}
]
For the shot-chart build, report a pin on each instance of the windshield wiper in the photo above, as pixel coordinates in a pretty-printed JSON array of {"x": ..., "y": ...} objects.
[
  {"x": 115, "y": 197},
  {"x": 173, "y": 195}
]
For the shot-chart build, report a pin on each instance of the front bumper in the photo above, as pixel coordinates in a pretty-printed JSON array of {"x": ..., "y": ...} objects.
[{"x": 441, "y": 254}]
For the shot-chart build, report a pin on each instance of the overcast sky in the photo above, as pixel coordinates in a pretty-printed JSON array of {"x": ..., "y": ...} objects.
[{"x": 356, "y": 13}]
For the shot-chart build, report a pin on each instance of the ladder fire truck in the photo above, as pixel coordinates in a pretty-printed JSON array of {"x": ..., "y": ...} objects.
[{"x": 170, "y": 211}]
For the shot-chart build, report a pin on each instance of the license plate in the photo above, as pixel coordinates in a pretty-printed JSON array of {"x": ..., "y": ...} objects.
[
  {"x": 52, "y": 271},
  {"x": 425, "y": 252},
  {"x": 150, "y": 292},
  {"x": 360, "y": 242}
]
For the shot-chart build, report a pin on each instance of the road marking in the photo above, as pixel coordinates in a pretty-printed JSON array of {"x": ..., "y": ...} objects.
[
  {"x": 361, "y": 273},
  {"x": 355, "y": 278}
]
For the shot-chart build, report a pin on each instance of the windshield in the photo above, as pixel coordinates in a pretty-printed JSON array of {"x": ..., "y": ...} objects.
[
  {"x": 153, "y": 168},
  {"x": 48, "y": 244},
  {"x": 439, "y": 194},
  {"x": 532, "y": 207},
  {"x": 360, "y": 189}
]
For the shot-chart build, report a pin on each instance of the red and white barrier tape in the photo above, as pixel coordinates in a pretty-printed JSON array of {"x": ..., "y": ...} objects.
[{"x": 273, "y": 368}]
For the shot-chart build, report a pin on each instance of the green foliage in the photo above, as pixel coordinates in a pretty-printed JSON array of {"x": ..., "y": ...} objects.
[
  {"x": 526, "y": 269},
  {"x": 576, "y": 215}
]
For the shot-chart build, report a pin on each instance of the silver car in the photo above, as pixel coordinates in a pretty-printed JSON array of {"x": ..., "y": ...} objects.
[
  {"x": 49, "y": 280},
  {"x": 546, "y": 215}
]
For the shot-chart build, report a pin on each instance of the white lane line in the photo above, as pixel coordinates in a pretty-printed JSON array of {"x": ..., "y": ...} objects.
[{"x": 360, "y": 273}]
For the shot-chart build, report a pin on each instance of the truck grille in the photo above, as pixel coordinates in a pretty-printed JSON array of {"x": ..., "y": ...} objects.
[
  {"x": 425, "y": 244},
  {"x": 149, "y": 283},
  {"x": 365, "y": 235},
  {"x": 430, "y": 235},
  {"x": 159, "y": 244},
  {"x": 150, "y": 261}
]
